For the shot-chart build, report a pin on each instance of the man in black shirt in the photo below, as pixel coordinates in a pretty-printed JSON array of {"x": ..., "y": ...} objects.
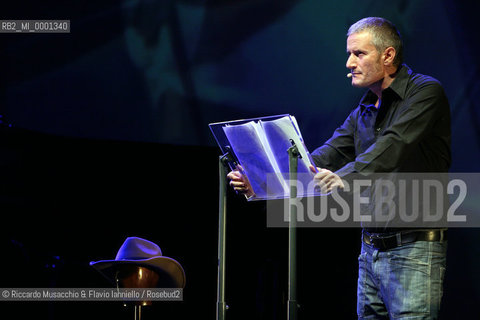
[{"x": 402, "y": 124}]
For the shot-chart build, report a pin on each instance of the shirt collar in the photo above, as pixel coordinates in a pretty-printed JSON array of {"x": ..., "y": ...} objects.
[{"x": 397, "y": 87}]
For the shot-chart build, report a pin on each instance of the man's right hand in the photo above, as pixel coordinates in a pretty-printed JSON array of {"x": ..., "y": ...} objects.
[{"x": 239, "y": 182}]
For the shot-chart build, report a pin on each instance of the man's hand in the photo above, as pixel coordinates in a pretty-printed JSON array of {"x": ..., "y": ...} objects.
[
  {"x": 326, "y": 180},
  {"x": 239, "y": 182}
]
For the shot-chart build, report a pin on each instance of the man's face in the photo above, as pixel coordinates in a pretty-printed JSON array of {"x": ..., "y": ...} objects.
[{"x": 364, "y": 60}]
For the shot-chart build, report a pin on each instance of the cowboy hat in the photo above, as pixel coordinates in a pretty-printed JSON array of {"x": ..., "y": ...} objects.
[{"x": 140, "y": 252}]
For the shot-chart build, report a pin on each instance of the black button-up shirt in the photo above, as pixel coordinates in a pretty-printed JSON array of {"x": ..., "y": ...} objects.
[{"x": 409, "y": 132}]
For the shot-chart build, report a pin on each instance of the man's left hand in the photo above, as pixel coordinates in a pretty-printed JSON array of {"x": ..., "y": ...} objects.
[{"x": 327, "y": 180}]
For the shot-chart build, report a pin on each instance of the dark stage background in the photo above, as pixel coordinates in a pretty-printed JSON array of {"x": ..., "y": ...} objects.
[{"x": 105, "y": 136}]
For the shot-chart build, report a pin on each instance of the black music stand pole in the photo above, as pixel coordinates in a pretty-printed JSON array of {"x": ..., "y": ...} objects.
[
  {"x": 292, "y": 307},
  {"x": 222, "y": 225}
]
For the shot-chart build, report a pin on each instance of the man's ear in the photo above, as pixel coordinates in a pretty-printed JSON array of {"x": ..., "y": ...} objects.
[{"x": 389, "y": 55}]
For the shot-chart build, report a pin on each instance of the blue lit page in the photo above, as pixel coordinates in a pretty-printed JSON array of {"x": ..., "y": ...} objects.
[
  {"x": 254, "y": 159},
  {"x": 279, "y": 132}
]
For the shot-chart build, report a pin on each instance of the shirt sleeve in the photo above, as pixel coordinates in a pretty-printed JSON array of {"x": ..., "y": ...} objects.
[
  {"x": 340, "y": 148},
  {"x": 415, "y": 119}
]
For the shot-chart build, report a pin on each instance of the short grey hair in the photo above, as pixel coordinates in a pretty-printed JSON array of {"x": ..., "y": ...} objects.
[{"x": 384, "y": 35}]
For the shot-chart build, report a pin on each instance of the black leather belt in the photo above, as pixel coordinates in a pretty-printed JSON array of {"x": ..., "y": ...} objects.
[{"x": 398, "y": 239}]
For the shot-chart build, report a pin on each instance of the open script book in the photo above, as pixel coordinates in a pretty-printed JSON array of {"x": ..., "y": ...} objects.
[{"x": 261, "y": 146}]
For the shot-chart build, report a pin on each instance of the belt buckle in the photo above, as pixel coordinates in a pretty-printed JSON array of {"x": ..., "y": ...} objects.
[
  {"x": 374, "y": 240},
  {"x": 367, "y": 238}
]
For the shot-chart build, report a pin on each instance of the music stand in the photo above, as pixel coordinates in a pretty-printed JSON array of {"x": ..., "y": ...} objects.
[{"x": 281, "y": 136}]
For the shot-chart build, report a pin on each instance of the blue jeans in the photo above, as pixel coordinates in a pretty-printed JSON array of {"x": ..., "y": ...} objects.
[{"x": 401, "y": 283}]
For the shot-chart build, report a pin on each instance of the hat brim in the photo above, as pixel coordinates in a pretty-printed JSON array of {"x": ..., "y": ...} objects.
[{"x": 165, "y": 266}]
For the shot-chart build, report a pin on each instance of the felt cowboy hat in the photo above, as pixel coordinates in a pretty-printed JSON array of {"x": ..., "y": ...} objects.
[{"x": 142, "y": 253}]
